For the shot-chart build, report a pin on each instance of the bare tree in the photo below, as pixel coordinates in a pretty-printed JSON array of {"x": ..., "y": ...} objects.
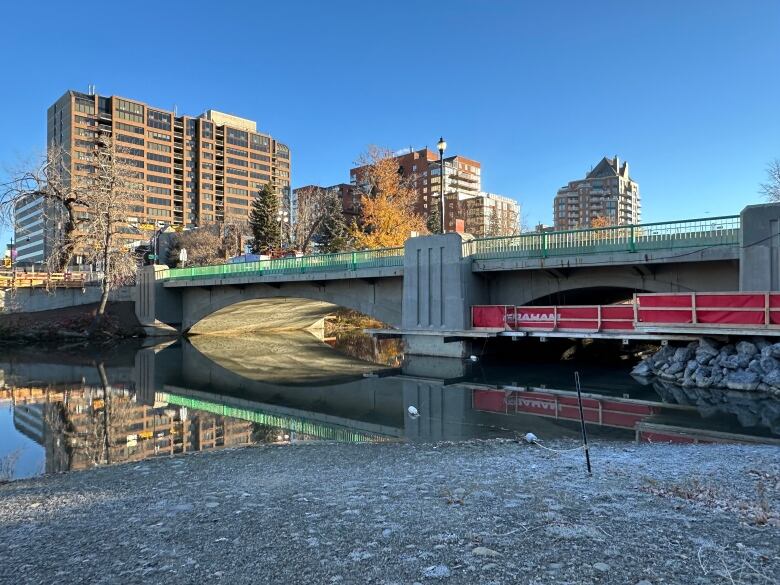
[
  {"x": 109, "y": 196},
  {"x": 49, "y": 179},
  {"x": 771, "y": 189},
  {"x": 203, "y": 245},
  {"x": 309, "y": 215}
]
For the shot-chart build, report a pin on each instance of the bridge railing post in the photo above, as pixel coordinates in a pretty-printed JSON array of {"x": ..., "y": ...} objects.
[
  {"x": 354, "y": 260},
  {"x": 631, "y": 239},
  {"x": 544, "y": 244}
]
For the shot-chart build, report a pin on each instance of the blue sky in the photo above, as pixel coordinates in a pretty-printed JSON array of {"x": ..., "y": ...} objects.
[{"x": 536, "y": 91}]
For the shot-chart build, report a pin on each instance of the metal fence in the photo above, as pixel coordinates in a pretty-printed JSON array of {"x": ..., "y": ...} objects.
[
  {"x": 691, "y": 233},
  {"x": 381, "y": 257}
]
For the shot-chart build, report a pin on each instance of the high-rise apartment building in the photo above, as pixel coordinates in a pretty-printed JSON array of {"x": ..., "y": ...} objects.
[
  {"x": 193, "y": 170},
  {"x": 608, "y": 191}
]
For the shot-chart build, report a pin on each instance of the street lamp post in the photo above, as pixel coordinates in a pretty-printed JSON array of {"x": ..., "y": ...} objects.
[
  {"x": 442, "y": 147},
  {"x": 283, "y": 218}
]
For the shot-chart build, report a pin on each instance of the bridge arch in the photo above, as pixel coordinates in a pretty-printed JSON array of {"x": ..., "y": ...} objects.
[{"x": 296, "y": 305}]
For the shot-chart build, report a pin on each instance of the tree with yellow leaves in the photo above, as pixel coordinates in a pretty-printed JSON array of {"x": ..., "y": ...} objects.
[{"x": 387, "y": 214}]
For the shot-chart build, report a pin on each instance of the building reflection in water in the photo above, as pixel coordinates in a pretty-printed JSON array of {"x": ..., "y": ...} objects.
[{"x": 88, "y": 426}]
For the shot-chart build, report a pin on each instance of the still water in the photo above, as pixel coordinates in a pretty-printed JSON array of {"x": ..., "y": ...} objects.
[{"x": 76, "y": 407}]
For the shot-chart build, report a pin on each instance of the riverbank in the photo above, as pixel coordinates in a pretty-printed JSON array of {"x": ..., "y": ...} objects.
[
  {"x": 476, "y": 512},
  {"x": 69, "y": 323}
]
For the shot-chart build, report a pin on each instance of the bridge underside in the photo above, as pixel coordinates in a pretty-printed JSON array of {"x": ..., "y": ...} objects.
[
  {"x": 284, "y": 306},
  {"x": 570, "y": 285},
  {"x": 277, "y": 314}
]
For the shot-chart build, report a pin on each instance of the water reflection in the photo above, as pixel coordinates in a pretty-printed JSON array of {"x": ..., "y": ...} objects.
[{"x": 82, "y": 408}]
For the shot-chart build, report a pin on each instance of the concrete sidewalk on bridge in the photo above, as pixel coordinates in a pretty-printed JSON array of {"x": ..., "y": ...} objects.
[{"x": 489, "y": 512}]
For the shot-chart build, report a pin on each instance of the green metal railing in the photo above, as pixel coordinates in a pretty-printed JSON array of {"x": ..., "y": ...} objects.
[
  {"x": 381, "y": 257},
  {"x": 691, "y": 233},
  {"x": 321, "y": 430},
  {"x": 646, "y": 237}
]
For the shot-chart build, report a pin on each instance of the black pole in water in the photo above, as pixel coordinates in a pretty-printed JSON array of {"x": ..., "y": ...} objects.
[{"x": 582, "y": 421}]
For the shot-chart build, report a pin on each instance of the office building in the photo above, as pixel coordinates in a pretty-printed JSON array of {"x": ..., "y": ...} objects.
[
  {"x": 607, "y": 191},
  {"x": 193, "y": 170}
]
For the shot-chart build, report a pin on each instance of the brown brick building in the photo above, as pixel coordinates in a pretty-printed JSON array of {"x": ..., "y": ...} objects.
[
  {"x": 193, "y": 170},
  {"x": 421, "y": 167}
]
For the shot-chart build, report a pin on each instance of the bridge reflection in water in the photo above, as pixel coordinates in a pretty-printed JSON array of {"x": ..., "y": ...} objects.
[{"x": 214, "y": 392}]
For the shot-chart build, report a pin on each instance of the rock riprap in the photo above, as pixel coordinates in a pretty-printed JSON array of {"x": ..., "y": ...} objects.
[{"x": 747, "y": 366}]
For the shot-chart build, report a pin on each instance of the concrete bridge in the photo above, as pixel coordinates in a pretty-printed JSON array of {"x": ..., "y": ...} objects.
[{"x": 426, "y": 289}]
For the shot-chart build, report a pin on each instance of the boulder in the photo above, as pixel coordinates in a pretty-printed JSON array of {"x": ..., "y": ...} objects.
[
  {"x": 675, "y": 368},
  {"x": 747, "y": 349},
  {"x": 703, "y": 377},
  {"x": 643, "y": 368},
  {"x": 691, "y": 367},
  {"x": 769, "y": 364},
  {"x": 746, "y": 381},
  {"x": 683, "y": 354},
  {"x": 731, "y": 362},
  {"x": 772, "y": 378},
  {"x": 755, "y": 367},
  {"x": 774, "y": 350}
]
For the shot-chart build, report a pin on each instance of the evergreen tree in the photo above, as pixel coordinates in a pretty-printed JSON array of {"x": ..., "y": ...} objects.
[
  {"x": 434, "y": 219},
  {"x": 333, "y": 232},
  {"x": 264, "y": 222}
]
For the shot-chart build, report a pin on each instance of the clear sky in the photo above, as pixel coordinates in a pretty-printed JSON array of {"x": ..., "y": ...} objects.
[{"x": 687, "y": 92}]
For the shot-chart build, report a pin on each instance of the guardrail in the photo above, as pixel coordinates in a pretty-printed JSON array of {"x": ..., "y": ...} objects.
[
  {"x": 381, "y": 257},
  {"x": 690, "y": 233},
  {"x": 17, "y": 279}
]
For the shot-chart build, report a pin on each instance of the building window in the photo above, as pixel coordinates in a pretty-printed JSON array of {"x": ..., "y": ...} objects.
[
  {"x": 282, "y": 151},
  {"x": 129, "y": 111},
  {"x": 236, "y": 151},
  {"x": 261, "y": 143},
  {"x": 237, "y": 161},
  {"x": 85, "y": 106},
  {"x": 130, "y": 139},
  {"x": 158, "y": 168},
  {"x": 157, "y": 119},
  {"x": 158, "y": 157},
  {"x": 156, "y": 179},
  {"x": 158, "y": 201},
  {"x": 237, "y": 137},
  {"x": 208, "y": 130},
  {"x": 158, "y": 136}
]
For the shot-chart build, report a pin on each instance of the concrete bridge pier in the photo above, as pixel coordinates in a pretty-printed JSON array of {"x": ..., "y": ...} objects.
[
  {"x": 439, "y": 289},
  {"x": 759, "y": 252}
]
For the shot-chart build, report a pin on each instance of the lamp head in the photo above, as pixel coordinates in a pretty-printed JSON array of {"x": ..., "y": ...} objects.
[{"x": 442, "y": 145}]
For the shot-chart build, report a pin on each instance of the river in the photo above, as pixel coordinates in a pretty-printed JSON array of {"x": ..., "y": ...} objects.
[{"x": 74, "y": 407}]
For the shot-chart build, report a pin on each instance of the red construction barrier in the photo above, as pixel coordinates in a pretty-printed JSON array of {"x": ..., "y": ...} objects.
[
  {"x": 563, "y": 405},
  {"x": 617, "y": 317},
  {"x": 535, "y": 318},
  {"x": 491, "y": 316},
  {"x": 676, "y": 310},
  {"x": 718, "y": 309}
]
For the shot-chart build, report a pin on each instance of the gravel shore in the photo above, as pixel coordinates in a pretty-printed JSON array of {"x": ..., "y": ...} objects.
[{"x": 485, "y": 512}]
